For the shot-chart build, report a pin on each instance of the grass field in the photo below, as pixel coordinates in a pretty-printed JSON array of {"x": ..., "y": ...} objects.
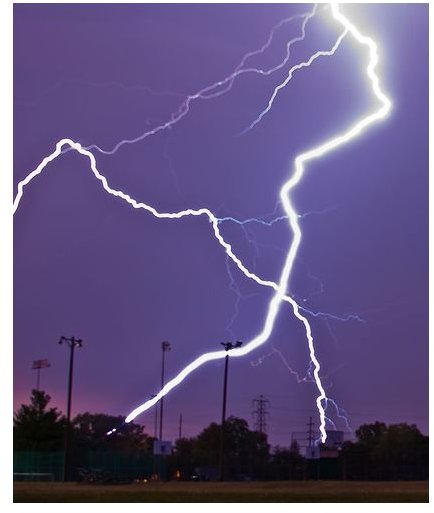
[{"x": 292, "y": 491}]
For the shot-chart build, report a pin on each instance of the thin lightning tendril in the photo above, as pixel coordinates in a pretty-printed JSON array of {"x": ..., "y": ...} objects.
[
  {"x": 340, "y": 412},
  {"x": 269, "y": 223},
  {"x": 280, "y": 288},
  {"x": 256, "y": 220},
  {"x": 222, "y": 86},
  {"x": 260, "y": 361},
  {"x": 305, "y": 64}
]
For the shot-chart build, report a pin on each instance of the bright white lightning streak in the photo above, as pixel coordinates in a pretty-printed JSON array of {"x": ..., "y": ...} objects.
[{"x": 293, "y": 217}]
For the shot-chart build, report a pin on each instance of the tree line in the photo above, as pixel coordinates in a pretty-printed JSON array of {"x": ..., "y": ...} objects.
[{"x": 379, "y": 452}]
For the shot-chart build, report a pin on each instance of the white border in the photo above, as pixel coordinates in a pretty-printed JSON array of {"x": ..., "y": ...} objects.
[{"x": 6, "y": 291}]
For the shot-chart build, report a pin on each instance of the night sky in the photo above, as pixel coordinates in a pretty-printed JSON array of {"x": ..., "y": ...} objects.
[{"x": 87, "y": 264}]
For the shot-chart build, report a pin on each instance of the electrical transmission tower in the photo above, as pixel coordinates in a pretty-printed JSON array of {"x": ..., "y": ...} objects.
[
  {"x": 260, "y": 413},
  {"x": 310, "y": 438}
]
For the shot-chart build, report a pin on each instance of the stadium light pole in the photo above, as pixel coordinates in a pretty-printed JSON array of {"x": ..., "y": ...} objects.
[
  {"x": 72, "y": 343},
  {"x": 165, "y": 346},
  {"x": 38, "y": 365},
  {"x": 228, "y": 346}
]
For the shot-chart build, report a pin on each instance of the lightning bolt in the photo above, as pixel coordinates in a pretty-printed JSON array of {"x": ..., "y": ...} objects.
[
  {"x": 260, "y": 361},
  {"x": 297, "y": 67},
  {"x": 340, "y": 412},
  {"x": 222, "y": 86},
  {"x": 292, "y": 216},
  {"x": 256, "y": 220},
  {"x": 234, "y": 287},
  {"x": 346, "y": 317}
]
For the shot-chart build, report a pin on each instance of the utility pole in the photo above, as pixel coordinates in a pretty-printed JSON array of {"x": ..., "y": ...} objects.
[
  {"x": 155, "y": 419},
  {"x": 38, "y": 365},
  {"x": 72, "y": 342},
  {"x": 180, "y": 426},
  {"x": 228, "y": 346},
  {"x": 260, "y": 413},
  {"x": 165, "y": 346}
]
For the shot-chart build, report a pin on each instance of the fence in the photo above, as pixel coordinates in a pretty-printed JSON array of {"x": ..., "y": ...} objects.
[
  {"x": 48, "y": 465},
  {"x": 38, "y": 466}
]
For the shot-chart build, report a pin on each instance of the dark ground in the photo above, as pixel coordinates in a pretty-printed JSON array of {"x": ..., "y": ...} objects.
[{"x": 294, "y": 491}]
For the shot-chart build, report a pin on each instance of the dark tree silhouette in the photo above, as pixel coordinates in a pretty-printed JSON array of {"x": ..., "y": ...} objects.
[
  {"x": 286, "y": 463},
  {"x": 183, "y": 459},
  {"x": 246, "y": 451},
  {"x": 397, "y": 451},
  {"x": 381, "y": 452},
  {"x": 37, "y": 427},
  {"x": 90, "y": 430}
]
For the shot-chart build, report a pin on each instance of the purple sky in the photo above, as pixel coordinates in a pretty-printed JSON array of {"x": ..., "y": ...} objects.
[{"x": 86, "y": 264}]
